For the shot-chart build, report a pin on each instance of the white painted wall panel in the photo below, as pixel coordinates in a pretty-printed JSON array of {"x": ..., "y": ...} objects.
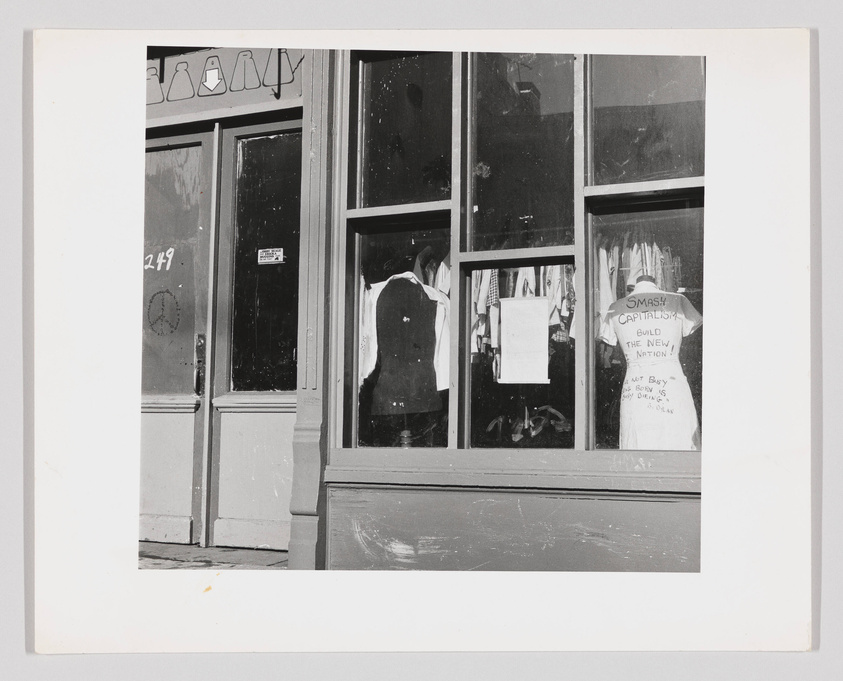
[
  {"x": 166, "y": 477},
  {"x": 166, "y": 463},
  {"x": 256, "y": 474}
]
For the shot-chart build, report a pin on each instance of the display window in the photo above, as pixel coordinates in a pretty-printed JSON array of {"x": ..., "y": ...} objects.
[{"x": 521, "y": 245}]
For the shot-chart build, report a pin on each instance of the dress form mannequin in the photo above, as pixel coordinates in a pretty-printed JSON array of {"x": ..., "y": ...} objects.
[
  {"x": 657, "y": 410},
  {"x": 406, "y": 341}
]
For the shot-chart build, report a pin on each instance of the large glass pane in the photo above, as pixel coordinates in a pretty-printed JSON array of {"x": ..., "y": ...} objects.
[
  {"x": 522, "y": 161},
  {"x": 648, "y": 118},
  {"x": 266, "y": 262},
  {"x": 174, "y": 288},
  {"x": 648, "y": 300},
  {"x": 404, "y": 134},
  {"x": 522, "y": 357},
  {"x": 403, "y": 349}
]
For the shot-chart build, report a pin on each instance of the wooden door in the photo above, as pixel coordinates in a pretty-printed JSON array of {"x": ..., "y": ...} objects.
[
  {"x": 177, "y": 222},
  {"x": 256, "y": 335}
]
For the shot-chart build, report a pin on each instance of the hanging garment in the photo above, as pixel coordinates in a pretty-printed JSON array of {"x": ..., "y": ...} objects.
[
  {"x": 552, "y": 285},
  {"x": 668, "y": 270},
  {"x": 525, "y": 285},
  {"x": 636, "y": 263},
  {"x": 658, "y": 273},
  {"x": 647, "y": 257},
  {"x": 657, "y": 410},
  {"x": 480, "y": 282},
  {"x": 494, "y": 310},
  {"x": 626, "y": 252},
  {"x": 569, "y": 303},
  {"x": 604, "y": 283},
  {"x": 442, "y": 280},
  {"x": 369, "y": 331},
  {"x": 425, "y": 266}
]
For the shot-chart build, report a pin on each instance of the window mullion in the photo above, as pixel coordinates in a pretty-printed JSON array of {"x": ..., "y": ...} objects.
[
  {"x": 582, "y": 276},
  {"x": 360, "y": 175},
  {"x": 457, "y": 387},
  {"x": 338, "y": 248}
]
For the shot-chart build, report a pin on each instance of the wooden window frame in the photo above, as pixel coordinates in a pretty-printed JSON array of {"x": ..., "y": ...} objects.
[{"x": 459, "y": 465}]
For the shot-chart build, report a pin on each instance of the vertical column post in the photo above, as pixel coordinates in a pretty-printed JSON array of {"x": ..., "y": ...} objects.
[
  {"x": 203, "y": 519},
  {"x": 307, "y": 504}
]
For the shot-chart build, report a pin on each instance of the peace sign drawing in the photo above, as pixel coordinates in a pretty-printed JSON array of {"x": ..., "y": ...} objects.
[{"x": 163, "y": 313}]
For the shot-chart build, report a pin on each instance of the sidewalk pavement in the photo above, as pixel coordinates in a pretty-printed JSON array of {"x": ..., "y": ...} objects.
[{"x": 158, "y": 556}]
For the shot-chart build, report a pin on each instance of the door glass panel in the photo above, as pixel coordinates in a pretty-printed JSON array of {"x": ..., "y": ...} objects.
[
  {"x": 522, "y": 163},
  {"x": 649, "y": 302},
  {"x": 266, "y": 262},
  {"x": 405, "y": 130},
  {"x": 173, "y": 296},
  {"x": 649, "y": 118}
]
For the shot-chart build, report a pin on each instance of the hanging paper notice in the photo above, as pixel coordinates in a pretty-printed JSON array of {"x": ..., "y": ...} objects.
[
  {"x": 524, "y": 348},
  {"x": 267, "y": 256}
]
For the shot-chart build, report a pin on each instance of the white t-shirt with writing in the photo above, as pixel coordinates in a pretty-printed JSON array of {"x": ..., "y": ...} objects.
[{"x": 657, "y": 410}]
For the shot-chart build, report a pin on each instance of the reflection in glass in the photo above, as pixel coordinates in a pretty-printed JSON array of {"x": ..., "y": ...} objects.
[
  {"x": 403, "y": 352},
  {"x": 522, "y": 357},
  {"x": 648, "y": 301},
  {"x": 523, "y": 150},
  {"x": 405, "y": 126},
  {"x": 648, "y": 118},
  {"x": 267, "y": 215}
]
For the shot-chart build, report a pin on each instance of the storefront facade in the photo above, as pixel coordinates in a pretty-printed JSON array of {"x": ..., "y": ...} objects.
[{"x": 394, "y": 313}]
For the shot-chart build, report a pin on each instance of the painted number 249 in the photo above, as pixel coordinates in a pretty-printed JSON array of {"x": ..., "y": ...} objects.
[{"x": 162, "y": 257}]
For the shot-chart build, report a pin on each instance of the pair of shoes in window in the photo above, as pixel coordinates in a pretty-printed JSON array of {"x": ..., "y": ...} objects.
[
  {"x": 560, "y": 423},
  {"x": 531, "y": 426},
  {"x": 497, "y": 423}
]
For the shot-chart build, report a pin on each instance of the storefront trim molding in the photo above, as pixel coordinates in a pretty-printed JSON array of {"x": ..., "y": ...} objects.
[
  {"x": 616, "y": 494},
  {"x": 543, "y": 480},
  {"x": 169, "y": 404},
  {"x": 222, "y": 114},
  {"x": 171, "y": 528},
  {"x": 546, "y": 469},
  {"x": 278, "y": 403},
  {"x": 641, "y": 189}
]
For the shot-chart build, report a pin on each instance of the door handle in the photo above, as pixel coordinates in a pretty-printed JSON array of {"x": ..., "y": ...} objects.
[{"x": 199, "y": 364}]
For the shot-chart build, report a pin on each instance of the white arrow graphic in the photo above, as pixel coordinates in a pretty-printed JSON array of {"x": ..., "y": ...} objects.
[{"x": 212, "y": 79}]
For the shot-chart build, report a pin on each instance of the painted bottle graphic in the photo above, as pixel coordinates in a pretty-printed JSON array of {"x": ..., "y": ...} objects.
[
  {"x": 245, "y": 76},
  {"x": 212, "y": 81},
  {"x": 181, "y": 86},
  {"x": 279, "y": 68},
  {"x": 154, "y": 93}
]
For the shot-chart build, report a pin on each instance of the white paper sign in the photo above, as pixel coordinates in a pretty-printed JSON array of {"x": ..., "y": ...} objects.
[
  {"x": 267, "y": 256},
  {"x": 524, "y": 349}
]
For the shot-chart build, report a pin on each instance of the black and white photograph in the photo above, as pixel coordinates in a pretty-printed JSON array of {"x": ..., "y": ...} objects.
[
  {"x": 422, "y": 310},
  {"x": 413, "y": 342}
]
